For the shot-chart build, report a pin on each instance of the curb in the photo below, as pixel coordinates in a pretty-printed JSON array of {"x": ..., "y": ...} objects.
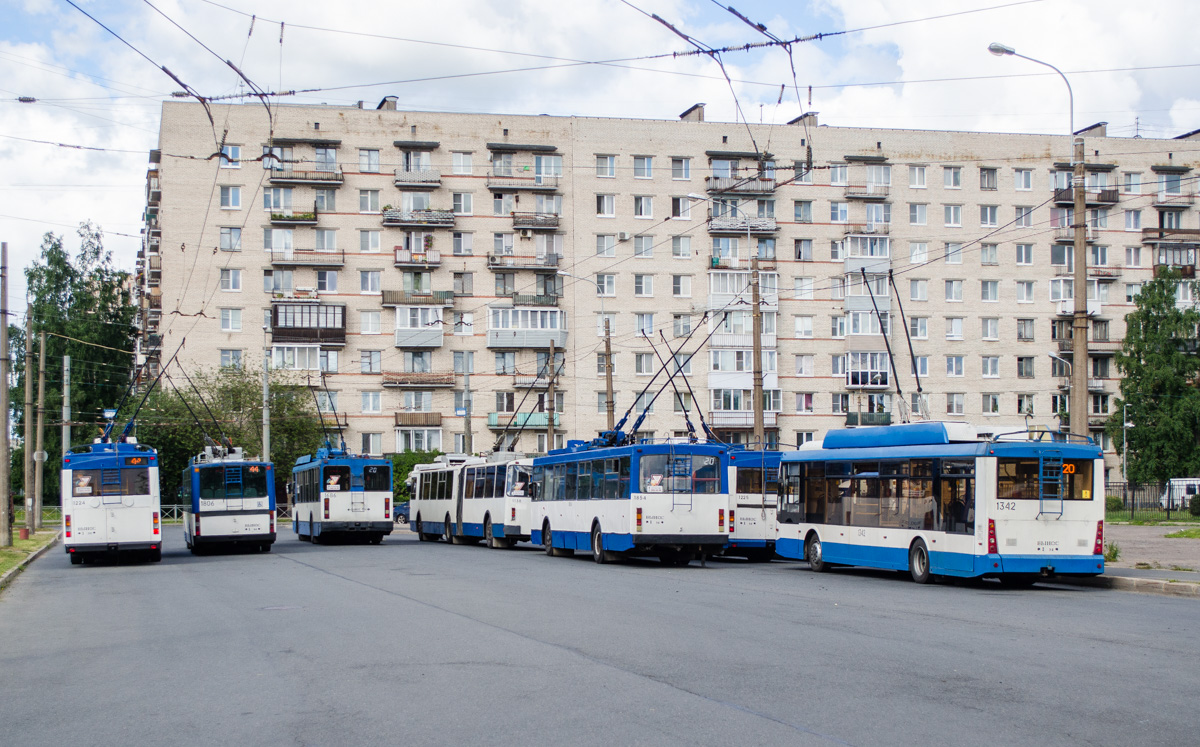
[
  {"x": 1139, "y": 585},
  {"x": 32, "y": 557}
]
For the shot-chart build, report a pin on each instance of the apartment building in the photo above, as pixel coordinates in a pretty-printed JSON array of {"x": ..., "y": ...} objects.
[{"x": 382, "y": 255}]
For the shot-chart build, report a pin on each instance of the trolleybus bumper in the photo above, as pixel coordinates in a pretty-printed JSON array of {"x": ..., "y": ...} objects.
[
  {"x": 751, "y": 544},
  {"x": 383, "y": 527},
  {"x": 1045, "y": 565},
  {"x": 231, "y": 539},
  {"x": 103, "y": 547},
  {"x": 714, "y": 541},
  {"x": 509, "y": 532}
]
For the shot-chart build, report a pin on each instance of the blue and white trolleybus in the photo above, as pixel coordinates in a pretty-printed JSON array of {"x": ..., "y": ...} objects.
[
  {"x": 110, "y": 500},
  {"x": 228, "y": 500},
  {"x": 339, "y": 493}
]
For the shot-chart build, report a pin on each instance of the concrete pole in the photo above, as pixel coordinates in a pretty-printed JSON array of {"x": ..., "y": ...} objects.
[
  {"x": 266, "y": 406},
  {"x": 468, "y": 435},
  {"x": 550, "y": 401},
  {"x": 66, "y": 406},
  {"x": 756, "y": 333},
  {"x": 40, "y": 455},
  {"x": 28, "y": 415},
  {"x": 1079, "y": 339},
  {"x": 6, "y": 465},
  {"x": 609, "y": 405}
]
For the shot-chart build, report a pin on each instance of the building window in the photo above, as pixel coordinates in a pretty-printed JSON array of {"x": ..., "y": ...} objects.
[
  {"x": 606, "y": 245},
  {"x": 610, "y": 319},
  {"x": 952, "y": 177},
  {"x": 1024, "y": 254},
  {"x": 681, "y": 325},
  {"x": 606, "y": 285},
  {"x": 954, "y": 365},
  {"x": 231, "y": 198},
  {"x": 991, "y": 366},
  {"x": 462, "y": 203},
  {"x": 643, "y": 285},
  {"x": 231, "y": 280},
  {"x": 681, "y": 168},
  {"x": 606, "y": 206},
  {"x": 464, "y": 362},
  {"x": 1023, "y": 180},
  {"x": 368, "y": 161},
  {"x": 231, "y": 359},
  {"x": 953, "y": 215},
  {"x": 1025, "y": 367},
  {"x": 372, "y": 402},
  {"x": 917, "y": 213},
  {"x": 991, "y": 404},
  {"x": 805, "y": 365},
  {"x": 231, "y": 320},
  {"x": 989, "y": 254},
  {"x": 954, "y": 328},
  {"x": 644, "y": 325},
  {"x": 1024, "y": 291},
  {"x": 464, "y": 283},
  {"x": 681, "y": 286},
  {"x": 804, "y": 403},
  {"x": 990, "y": 327},
  {"x": 989, "y": 290},
  {"x": 231, "y": 239},
  {"x": 918, "y": 327},
  {"x": 1133, "y": 220},
  {"x": 1024, "y": 217},
  {"x": 506, "y": 283},
  {"x": 371, "y": 361},
  {"x": 840, "y": 404},
  {"x": 803, "y": 288},
  {"x": 681, "y": 208},
  {"x": 989, "y": 216},
  {"x": 954, "y": 290},
  {"x": 643, "y": 246},
  {"x": 916, "y": 177},
  {"x": 643, "y": 167},
  {"x": 1025, "y": 330},
  {"x": 460, "y": 163},
  {"x": 988, "y": 179},
  {"x": 920, "y": 365},
  {"x": 954, "y": 404},
  {"x": 368, "y": 200},
  {"x": 1024, "y": 404},
  {"x": 918, "y": 290},
  {"x": 643, "y": 206},
  {"x": 368, "y": 322},
  {"x": 606, "y": 166},
  {"x": 231, "y": 156},
  {"x": 368, "y": 281},
  {"x": 681, "y": 247},
  {"x": 643, "y": 364},
  {"x": 839, "y": 212},
  {"x": 803, "y": 211},
  {"x": 327, "y": 281},
  {"x": 804, "y": 327}
]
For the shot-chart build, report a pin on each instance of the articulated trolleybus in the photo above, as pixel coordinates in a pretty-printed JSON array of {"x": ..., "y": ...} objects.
[
  {"x": 668, "y": 499},
  {"x": 110, "y": 500},
  {"x": 462, "y": 500},
  {"x": 933, "y": 499},
  {"x": 228, "y": 500},
  {"x": 338, "y": 493}
]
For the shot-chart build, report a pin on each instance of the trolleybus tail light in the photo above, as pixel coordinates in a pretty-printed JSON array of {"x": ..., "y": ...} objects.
[
  {"x": 67, "y": 523},
  {"x": 514, "y": 513},
  {"x": 1099, "y": 547},
  {"x": 721, "y": 519},
  {"x": 387, "y": 507},
  {"x": 639, "y": 519},
  {"x": 326, "y": 508},
  {"x": 156, "y": 522},
  {"x": 731, "y": 525},
  {"x": 197, "y": 525},
  {"x": 993, "y": 549},
  {"x": 272, "y": 522}
]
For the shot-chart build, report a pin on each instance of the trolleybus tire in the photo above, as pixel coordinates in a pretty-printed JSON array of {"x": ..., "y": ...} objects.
[
  {"x": 599, "y": 554},
  {"x": 547, "y": 539},
  {"x": 76, "y": 559},
  {"x": 447, "y": 532},
  {"x": 489, "y": 539},
  {"x": 1018, "y": 580},
  {"x": 266, "y": 547},
  {"x": 156, "y": 555},
  {"x": 918, "y": 562},
  {"x": 813, "y": 553},
  {"x": 377, "y": 538}
]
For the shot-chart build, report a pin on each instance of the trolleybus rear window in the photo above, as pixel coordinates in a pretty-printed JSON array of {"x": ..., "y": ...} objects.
[
  {"x": 377, "y": 477},
  {"x": 126, "y": 481},
  {"x": 1033, "y": 479},
  {"x": 233, "y": 481},
  {"x": 679, "y": 473},
  {"x": 337, "y": 478}
]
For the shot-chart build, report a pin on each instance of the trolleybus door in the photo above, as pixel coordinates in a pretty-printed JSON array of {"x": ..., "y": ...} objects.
[{"x": 463, "y": 485}]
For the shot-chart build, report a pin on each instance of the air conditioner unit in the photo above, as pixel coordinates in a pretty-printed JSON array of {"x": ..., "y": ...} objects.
[
  {"x": 624, "y": 236},
  {"x": 526, "y": 233}
]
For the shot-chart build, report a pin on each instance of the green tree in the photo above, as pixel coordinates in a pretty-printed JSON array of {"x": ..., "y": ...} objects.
[
  {"x": 83, "y": 303},
  {"x": 1159, "y": 363},
  {"x": 402, "y": 466},
  {"x": 234, "y": 397}
]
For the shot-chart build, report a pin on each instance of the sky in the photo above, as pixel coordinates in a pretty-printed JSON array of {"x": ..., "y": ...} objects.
[{"x": 869, "y": 63}]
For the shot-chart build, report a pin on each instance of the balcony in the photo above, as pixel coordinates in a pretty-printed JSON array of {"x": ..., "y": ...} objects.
[
  {"x": 737, "y": 186},
  {"x": 420, "y": 337},
  {"x": 867, "y": 191},
  {"x": 1066, "y": 346},
  {"x": 292, "y": 218},
  {"x": 322, "y": 178},
  {"x": 419, "y": 218},
  {"x": 516, "y": 262},
  {"x": 1182, "y": 199},
  {"x": 739, "y": 419},
  {"x": 1066, "y": 307},
  {"x": 535, "y": 221},
  {"x": 502, "y": 420},
  {"x": 505, "y": 180},
  {"x": 308, "y": 335},
  {"x": 1067, "y": 235},
  {"x": 418, "y": 178},
  {"x": 1095, "y": 385},
  {"x": 741, "y": 226},
  {"x": 868, "y": 418},
  {"x": 526, "y": 338},
  {"x": 418, "y": 419},
  {"x": 153, "y": 188},
  {"x": 415, "y": 380},
  {"x": 525, "y": 299},
  {"x": 867, "y": 229},
  {"x": 1092, "y": 197},
  {"x": 426, "y": 260},
  {"x": 307, "y": 258},
  {"x": 530, "y": 381},
  {"x": 740, "y": 341},
  {"x": 418, "y": 298},
  {"x": 336, "y": 420},
  {"x": 1104, "y": 347}
]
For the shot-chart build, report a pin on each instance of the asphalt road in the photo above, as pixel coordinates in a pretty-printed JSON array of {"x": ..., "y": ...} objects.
[{"x": 413, "y": 643}]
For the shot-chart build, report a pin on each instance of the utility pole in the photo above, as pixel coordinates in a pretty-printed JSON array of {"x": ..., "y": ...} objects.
[
  {"x": 1079, "y": 332},
  {"x": 609, "y": 405},
  {"x": 5, "y": 468},
  {"x": 66, "y": 406},
  {"x": 468, "y": 436},
  {"x": 756, "y": 333},
  {"x": 550, "y": 401},
  {"x": 39, "y": 456},
  {"x": 266, "y": 446},
  {"x": 28, "y": 415}
]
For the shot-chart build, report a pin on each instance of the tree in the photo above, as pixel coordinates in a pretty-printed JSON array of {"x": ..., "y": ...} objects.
[
  {"x": 402, "y": 466},
  {"x": 1159, "y": 363},
  {"x": 83, "y": 303},
  {"x": 234, "y": 396}
]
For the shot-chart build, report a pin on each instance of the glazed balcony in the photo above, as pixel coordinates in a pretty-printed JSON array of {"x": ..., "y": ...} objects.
[
  {"x": 526, "y": 338},
  {"x": 519, "y": 262},
  {"x": 868, "y": 418},
  {"x": 739, "y": 419},
  {"x": 420, "y": 337},
  {"x": 536, "y": 221},
  {"x": 319, "y": 177}
]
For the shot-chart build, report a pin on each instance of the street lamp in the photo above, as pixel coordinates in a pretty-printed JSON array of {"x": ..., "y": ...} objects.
[
  {"x": 609, "y": 405},
  {"x": 1001, "y": 50},
  {"x": 1125, "y": 426},
  {"x": 1070, "y": 374}
]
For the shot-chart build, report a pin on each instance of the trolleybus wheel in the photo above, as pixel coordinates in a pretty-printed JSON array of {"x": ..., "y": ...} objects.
[
  {"x": 599, "y": 554},
  {"x": 447, "y": 532},
  {"x": 547, "y": 539},
  {"x": 156, "y": 555},
  {"x": 266, "y": 547},
  {"x": 918, "y": 562},
  {"x": 313, "y": 535},
  {"x": 489, "y": 539},
  {"x": 376, "y": 538},
  {"x": 816, "y": 558},
  {"x": 76, "y": 559}
]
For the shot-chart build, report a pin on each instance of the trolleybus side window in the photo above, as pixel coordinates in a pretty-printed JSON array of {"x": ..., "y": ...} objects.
[
  {"x": 893, "y": 507},
  {"x": 337, "y": 478},
  {"x": 377, "y": 477},
  {"x": 864, "y": 503},
  {"x": 837, "y": 492},
  {"x": 750, "y": 480},
  {"x": 957, "y": 499},
  {"x": 920, "y": 494}
]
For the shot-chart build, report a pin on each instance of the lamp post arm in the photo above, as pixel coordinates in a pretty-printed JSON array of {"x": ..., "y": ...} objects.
[{"x": 1070, "y": 93}]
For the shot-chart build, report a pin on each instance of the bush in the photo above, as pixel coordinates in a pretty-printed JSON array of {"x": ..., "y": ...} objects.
[
  {"x": 1112, "y": 552},
  {"x": 1114, "y": 503},
  {"x": 1194, "y": 507}
]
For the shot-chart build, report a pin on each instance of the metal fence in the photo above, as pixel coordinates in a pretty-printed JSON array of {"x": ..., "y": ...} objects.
[
  {"x": 1146, "y": 502},
  {"x": 171, "y": 514}
]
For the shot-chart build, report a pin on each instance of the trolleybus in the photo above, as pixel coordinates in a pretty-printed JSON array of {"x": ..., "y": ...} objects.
[
  {"x": 110, "y": 500},
  {"x": 338, "y": 493},
  {"x": 228, "y": 500},
  {"x": 461, "y": 499},
  {"x": 933, "y": 499},
  {"x": 519, "y": 489},
  {"x": 753, "y": 491},
  {"x": 668, "y": 499}
]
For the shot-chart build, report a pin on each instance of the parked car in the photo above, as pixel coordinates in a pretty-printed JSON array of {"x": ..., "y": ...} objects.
[
  {"x": 400, "y": 512},
  {"x": 1179, "y": 493}
]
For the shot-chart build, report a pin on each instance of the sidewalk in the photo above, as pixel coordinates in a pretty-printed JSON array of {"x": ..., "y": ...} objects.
[{"x": 1149, "y": 563}]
